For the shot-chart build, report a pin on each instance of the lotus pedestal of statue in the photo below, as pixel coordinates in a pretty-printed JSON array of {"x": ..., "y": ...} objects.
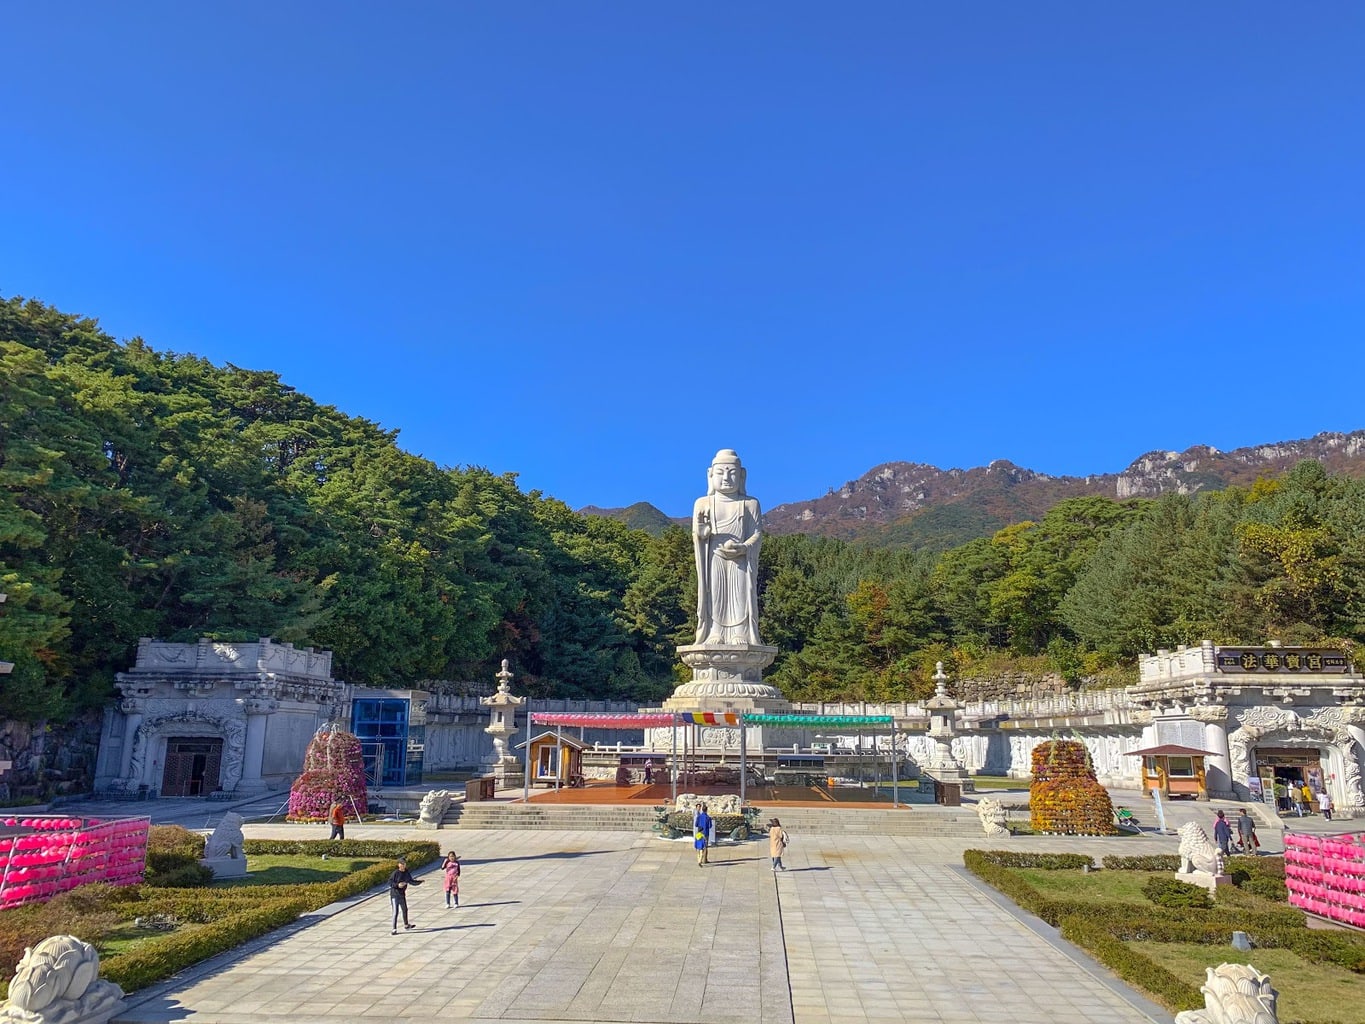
[{"x": 727, "y": 677}]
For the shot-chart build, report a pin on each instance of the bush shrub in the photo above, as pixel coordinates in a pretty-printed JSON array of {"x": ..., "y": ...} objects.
[
  {"x": 184, "y": 876},
  {"x": 1105, "y": 929},
  {"x": 1151, "y": 862},
  {"x": 1171, "y": 892},
  {"x": 417, "y": 854},
  {"x": 175, "y": 839},
  {"x": 154, "y": 961},
  {"x": 1131, "y": 965},
  {"x": 1040, "y": 861},
  {"x": 173, "y": 856}
]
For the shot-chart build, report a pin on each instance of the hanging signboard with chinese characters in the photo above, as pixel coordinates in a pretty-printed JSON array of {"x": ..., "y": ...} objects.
[{"x": 1281, "y": 659}]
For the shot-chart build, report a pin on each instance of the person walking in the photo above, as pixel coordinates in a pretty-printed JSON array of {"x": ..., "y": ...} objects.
[
  {"x": 451, "y": 867},
  {"x": 649, "y": 773},
  {"x": 1222, "y": 833},
  {"x": 701, "y": 833},
  {"x": 777, "y": 844},
  {"x": 1307, "y": 795},
  {"x": 1325, "y": 805},
  {"x": 1281, "y": 797},
  {"x": 337, "y": 816},
  {"x": 1246, "y": 832},
  {"x": 398, "y": 893}
]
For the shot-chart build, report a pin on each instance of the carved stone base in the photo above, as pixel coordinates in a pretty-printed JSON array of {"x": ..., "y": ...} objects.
[
  {"x": 226, "y": 867},
  {"x": 727, "y": 677},
  {"x": 1209, "y": 881}
]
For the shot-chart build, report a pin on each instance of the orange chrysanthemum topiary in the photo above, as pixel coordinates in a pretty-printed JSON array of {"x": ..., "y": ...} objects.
[
  {"x": 1064, "y": 797},
  {"x": 333, "y": 772}
]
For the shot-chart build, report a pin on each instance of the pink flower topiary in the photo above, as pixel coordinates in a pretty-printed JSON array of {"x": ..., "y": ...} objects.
[{"x": 333, "y": 772}]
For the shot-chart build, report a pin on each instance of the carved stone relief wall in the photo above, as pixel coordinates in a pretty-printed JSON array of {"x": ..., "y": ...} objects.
[{"x": 1326, "y": 729}]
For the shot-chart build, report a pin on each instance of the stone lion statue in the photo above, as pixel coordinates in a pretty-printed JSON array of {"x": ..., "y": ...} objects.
[
  {"x": 1196, "y": 852},
  {"x": 1234, "y": 994},
  {"x": 57, "y": 982},
  {"x": 227, "y": 839},
  {"x": 992, "y": 814},
  {"x": 434, "y": 807}
]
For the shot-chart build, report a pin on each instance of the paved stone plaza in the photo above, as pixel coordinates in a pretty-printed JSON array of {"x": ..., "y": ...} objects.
[{"x": 605, "y": 927}]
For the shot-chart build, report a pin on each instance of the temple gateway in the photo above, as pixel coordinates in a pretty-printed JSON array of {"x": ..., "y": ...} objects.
[{"x": 208, "y": 717}]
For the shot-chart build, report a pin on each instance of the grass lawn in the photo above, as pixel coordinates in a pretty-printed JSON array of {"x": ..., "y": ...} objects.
[
  {"x": 998, "y": 782},
  {"x": 1102, "y": 886},
  {"x": 1307, "y": 991},
  {"x": 273, "y": 869},
  {"x": 130, "y": 937}
]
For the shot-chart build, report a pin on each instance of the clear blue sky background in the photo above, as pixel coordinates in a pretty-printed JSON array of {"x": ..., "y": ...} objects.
[{"x": 592, "y": 243}]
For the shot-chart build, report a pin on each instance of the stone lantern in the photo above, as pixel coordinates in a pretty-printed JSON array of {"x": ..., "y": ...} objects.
[
  {"x": 944, "y": 767},
  {"x": 502, "y": 714}
]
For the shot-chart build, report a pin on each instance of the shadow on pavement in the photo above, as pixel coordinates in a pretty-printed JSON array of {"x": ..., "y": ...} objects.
[
  {"x": 536, "y": 856},
  {"x": 472, "y": 906}
]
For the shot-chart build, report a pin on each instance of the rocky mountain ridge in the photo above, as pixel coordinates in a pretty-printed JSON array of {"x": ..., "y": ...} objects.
[{"x": 924, "y": 506}]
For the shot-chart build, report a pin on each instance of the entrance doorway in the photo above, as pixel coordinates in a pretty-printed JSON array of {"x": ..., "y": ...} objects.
[
  {"x": 1284, "y": 771},
  {"x": 192, "y": 764}
]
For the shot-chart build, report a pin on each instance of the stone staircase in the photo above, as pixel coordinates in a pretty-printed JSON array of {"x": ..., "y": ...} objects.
[
  {"x": 918, "y": 821},
  {"x": 584, "y": 818}
]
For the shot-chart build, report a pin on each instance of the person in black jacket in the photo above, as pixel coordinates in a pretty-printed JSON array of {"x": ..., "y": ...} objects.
[{"x": 398, "y": 893}]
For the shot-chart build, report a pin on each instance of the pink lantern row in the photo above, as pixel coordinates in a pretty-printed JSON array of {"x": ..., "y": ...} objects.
[
  {"x": 62, "y": 853},
  {"x": 1326, "y": 876}
]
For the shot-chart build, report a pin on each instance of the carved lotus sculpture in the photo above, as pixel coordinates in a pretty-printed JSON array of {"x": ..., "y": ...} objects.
[
  {"x": 61, "y": 967},
  {"x": 1234, "y": 994}
]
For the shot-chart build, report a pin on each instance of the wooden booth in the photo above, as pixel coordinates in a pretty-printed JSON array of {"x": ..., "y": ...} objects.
[
  {"x": 1173, "y": 771},
  {"x": 556, "y": 760}
]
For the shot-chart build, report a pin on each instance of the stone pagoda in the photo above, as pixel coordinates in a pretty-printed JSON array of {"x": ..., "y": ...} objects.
[{"x": 502, "y": 713}]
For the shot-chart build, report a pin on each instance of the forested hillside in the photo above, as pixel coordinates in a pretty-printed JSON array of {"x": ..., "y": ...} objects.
[{"x": 144, "y": 493}]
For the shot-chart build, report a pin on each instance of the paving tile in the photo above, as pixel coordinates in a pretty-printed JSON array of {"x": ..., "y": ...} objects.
[{"x": 584, "y": 928}]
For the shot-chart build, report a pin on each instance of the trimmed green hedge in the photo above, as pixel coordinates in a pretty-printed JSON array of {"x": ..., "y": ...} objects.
[
  {"x": 232, "y": 916},
  {"x": 1105, "y": 929},
  {"x": 156, "y": 961},
  {"x": 1151, "y": 862},
  {"x": 416, "y": 853},
  {"x": 1165, "y": 891},
  {"x": 1131, "y": 965},
  {"x": 1039, "y": 861}
]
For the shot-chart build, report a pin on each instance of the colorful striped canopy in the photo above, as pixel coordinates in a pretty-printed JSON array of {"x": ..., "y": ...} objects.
[
  {"x": 820, "y": 721},
  {"x": 661, "y": 720},
  {"x": 709, "y": 718},
  {"x": 603, "y": 719}
]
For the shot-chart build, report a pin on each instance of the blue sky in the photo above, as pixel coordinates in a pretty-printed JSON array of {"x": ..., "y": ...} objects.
[{"x": 592, "y": 243}]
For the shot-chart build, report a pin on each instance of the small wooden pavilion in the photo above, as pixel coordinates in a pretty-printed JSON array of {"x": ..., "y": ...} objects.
[
  {"x": 555, "y": 760},
  {"x": 1173, "y": 770}
]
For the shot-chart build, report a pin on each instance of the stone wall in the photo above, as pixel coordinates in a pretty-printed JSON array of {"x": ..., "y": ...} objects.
[
  {"x": 48, "y": 762},
  {"x": 1009, "y": 686}
]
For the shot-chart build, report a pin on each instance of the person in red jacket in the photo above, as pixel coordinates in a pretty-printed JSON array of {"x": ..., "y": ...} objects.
[{"x": 338, "y": 819}]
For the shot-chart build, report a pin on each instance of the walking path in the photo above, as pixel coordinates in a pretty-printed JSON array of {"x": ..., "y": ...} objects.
[{"x": 607, "y": 927}]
